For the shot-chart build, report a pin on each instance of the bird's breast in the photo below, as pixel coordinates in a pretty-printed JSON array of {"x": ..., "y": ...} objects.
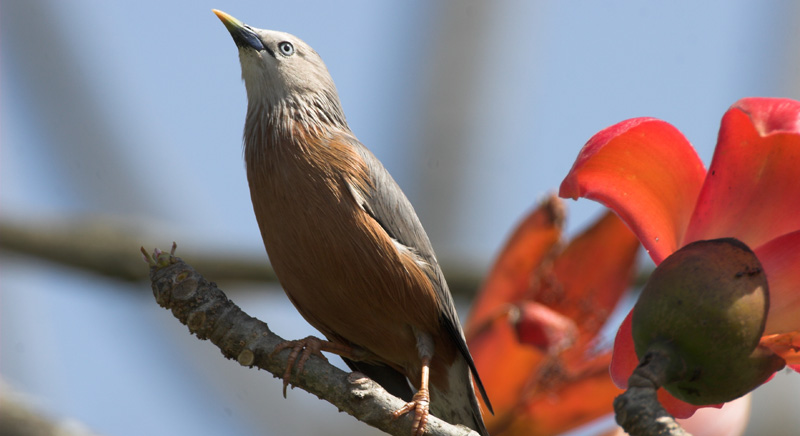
[{"x": 342, "y": 271}]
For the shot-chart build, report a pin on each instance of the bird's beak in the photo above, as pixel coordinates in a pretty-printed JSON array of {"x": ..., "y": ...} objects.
[{"x": 242, "y": 34}]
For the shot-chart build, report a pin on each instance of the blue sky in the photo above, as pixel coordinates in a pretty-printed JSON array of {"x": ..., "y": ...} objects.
[{"x": 133, "y": 111}]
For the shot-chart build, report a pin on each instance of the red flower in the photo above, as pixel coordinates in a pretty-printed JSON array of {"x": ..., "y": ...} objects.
[
  {"x": 533, "y": 328},
  {"x": 648, "y": 173}
]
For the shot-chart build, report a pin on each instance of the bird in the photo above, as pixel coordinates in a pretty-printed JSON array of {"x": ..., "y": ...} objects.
[{"x": 344, "y": 241}]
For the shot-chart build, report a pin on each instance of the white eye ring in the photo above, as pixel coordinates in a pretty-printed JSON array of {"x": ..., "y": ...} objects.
[{"x": 286, "y": 48}]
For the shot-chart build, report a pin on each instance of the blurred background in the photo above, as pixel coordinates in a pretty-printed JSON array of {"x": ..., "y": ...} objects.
[{"x": 120, "y": 126}]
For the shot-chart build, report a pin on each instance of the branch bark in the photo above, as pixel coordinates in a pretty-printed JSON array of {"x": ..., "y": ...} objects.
[
  {"x": 209, "y": 314},
  {"x": 638, "y": 410}
]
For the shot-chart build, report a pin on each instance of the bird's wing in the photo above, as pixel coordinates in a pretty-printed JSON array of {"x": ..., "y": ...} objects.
[{"x": 386, "y": 204}]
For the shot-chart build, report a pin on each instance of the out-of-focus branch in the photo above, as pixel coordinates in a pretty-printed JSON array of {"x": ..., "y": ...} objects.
[
  {"x": 107, "y": 247},
  {"x": 637, "y": 410},
  {"x": 209, "y": 314},
  {"x": 19, "y": 419},
  {"x": 104, "y": 246}
]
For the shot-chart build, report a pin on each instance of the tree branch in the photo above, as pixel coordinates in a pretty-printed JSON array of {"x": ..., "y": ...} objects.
[
  {"x": 637, "y": 410},
  {"x": 104, "y": 245},
  {"x": 209, "y": 314},
  {"x": 19, "y": 418}
]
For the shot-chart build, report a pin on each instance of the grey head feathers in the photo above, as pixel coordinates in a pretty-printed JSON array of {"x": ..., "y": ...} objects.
[{"x": 286, "y": 78}]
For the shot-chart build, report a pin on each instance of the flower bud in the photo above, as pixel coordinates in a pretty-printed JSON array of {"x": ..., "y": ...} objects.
[{"x": 706, "y": 306}]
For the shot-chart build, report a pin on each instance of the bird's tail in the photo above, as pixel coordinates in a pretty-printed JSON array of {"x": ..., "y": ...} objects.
[{"x": 458, "y": 405}]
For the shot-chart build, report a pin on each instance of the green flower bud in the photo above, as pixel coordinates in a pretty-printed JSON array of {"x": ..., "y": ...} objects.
[{"x": 706, "y": 306}]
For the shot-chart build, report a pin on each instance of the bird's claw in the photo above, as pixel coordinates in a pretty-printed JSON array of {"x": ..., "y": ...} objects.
[
  {"x": 420, "y": 404},
  {"x": 307, "y": 346}
]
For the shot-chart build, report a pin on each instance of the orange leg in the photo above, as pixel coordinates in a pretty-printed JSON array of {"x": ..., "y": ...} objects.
[
  {"x": 308, "y": 346},
  {"x": 420, "y": 404}
]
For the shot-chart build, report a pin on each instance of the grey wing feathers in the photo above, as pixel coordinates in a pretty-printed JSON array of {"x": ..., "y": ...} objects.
[{"x": 387, "y": 205}]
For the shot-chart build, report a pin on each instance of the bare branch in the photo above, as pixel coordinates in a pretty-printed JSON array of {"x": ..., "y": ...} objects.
[
  {"x": 637, "y": 410},
  {"x": 209, "y": 314}
]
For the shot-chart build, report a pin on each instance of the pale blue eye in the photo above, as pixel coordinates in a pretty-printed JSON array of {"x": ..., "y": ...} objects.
[{"x": 286, "y": 48}]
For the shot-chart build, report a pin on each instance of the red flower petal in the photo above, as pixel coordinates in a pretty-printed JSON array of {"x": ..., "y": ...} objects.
[
  {"x": 677, "y": 408},
  {"x": 752, "y": 191},
  {"x": 771, "y": 115},
  {"x": 780, "y": 258},
  {"x": 648, "y": 173},
  {"x": 624, "y": 359},
  {"x": 532, "y": 241},
  {"x": 542, "y": 327}
]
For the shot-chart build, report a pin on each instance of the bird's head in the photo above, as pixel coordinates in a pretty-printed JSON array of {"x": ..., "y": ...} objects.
[{"x": 280, "y": 70}]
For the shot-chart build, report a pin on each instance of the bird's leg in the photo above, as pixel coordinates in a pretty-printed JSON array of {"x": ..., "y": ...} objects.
[
  {"x": 420, "y": 404},
  {"x": 421, "y": 401},
  {"x": 304, "y": 348}
]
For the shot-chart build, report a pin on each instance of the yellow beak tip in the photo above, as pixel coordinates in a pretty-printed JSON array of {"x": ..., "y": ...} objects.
[{"x": 227, "y": 19}]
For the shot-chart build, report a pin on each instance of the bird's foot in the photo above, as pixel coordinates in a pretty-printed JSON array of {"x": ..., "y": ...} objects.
[
  {"x": 304, "y": 348},
  {"x": 420, "y": 404}
]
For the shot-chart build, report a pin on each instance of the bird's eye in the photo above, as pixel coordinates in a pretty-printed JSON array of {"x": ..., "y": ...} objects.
[{"x": 286, "y": 48}]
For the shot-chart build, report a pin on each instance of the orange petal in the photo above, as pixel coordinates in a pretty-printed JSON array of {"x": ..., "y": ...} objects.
[
  {"x": 504, "y": 364},
  {"x": 605, "y": 257},
  {"x": 780, "y": 259},
  {"x": 648, "y": 173},
  {"x": 510, "y": 276},
  {"x": 752, "y": 191},
  {"x": 786, "y": 345},
  {"x": 571, "y": 404}
]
